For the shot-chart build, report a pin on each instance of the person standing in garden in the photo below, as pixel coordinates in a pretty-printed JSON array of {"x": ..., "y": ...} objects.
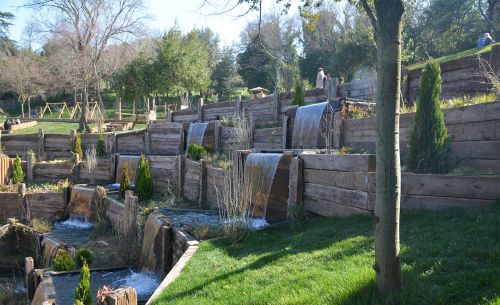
[{"x": 320, "y": 78}]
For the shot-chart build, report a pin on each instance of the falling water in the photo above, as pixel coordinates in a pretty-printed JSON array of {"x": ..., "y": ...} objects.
[
  {"x": 259, "y": 173},
  {"x": 196, "y": 132},
  {"x": 80, "y": 203},
  {"x": 50, "y": 248},
  {"x": 148, "y": 255},
  {"x": 307, "y": 125}
]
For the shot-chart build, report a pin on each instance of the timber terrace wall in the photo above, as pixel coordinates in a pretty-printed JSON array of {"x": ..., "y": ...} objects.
[{"x": 343, "y": 185}]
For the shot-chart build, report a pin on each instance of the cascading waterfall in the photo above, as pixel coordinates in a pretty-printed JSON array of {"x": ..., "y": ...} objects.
[
  {"x": 50, "y": 248},
  {"x": 259, "y": 172},
  {"x": 148, "y": 255},
  {"x": 196, "y": 132},
  {"x": 307, "y": 125},
  {"x": 80, "y": 204}
]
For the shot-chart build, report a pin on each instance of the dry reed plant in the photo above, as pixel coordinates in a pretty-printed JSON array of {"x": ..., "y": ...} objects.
[
  {"x": 243, "y": 128},
  {"x": 91, "y": 162},
  {"x": 235, "y": 203},
  {"x": 326, "y": 129},
  {"x": 490, "y": 74}
]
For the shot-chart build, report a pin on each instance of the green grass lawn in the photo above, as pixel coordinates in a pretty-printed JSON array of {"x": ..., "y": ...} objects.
[
  {"x": 447, "y": 258},
  {"x": 457, "y": 55},
  {"x": 57, "y": 128}
]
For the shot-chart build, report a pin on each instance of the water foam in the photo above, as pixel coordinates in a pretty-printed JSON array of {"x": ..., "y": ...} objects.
[
  {"x": 75, "y": 224},
  {"x": 145, "y": 283}
]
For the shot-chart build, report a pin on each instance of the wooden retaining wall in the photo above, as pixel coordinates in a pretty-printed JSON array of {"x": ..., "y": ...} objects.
[
  {"x": 215, "y": 185},
  {"x": 191, "y": 183},
  {"x": 21, "y": 144},
  {"x": 220, "y": 110},
  {"x": 45, "y": 172},
  {"x": 49, "y": 205},
  {"x": 268, "y": 138},
  {"x": 332, "y": 185},
  {"x": 164, "y": 173},
  {"x": 57, "y": 146},
  {"x": 164, "y": 139},
  {"x": 130, "y": 143},
  {"x": 228, "y": 139},
  {"x": 103, "y": 173},
  {"x": 343, "y": 185},
  {"x": 474, "y": 130}
]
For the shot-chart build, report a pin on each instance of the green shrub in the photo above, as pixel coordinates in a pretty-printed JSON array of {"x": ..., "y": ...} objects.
[
  {"x": 17, "y": 175},
  {"x": 143, "y": 182},
  {"x": 429, "y": 147},
  {"x": 298, "y": 96},
  {"x": 78, "y": 302},
  {"x": 101, "y": 147},
  {"x": 84, "y": 255},
  {"x": 196, "y": 152},
  {"x": 297, "y": 217},
  {"x": 77, "y": 146},
  {"x": 124, "y": 181},
  {"x": 82, "y": 291},
  {"x": 62, "y": 261}
]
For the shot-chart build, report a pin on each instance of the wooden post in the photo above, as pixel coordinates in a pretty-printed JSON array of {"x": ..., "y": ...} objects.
[
  {"x": 180, "y": 176},
  {"x": 217, "y": 136},
  {"x": 147, "y": 141},
  {"x": 170, "y": 116},
  {"x": 277, "y": 104},
  {"x": 239, "y": 157},
  {"x": 238, "y": 106},
  {"x": 29, "y": 277},
  {"x": 41, "y": 145},
  {"x": 30, "y": 167},
  {"x": 200, "y": 110},
  {"x": 295, "y": 184},
  {"x": 120, "y": 296},
  {"x": 131, "y": 210},
  {"x": 202, "y": 199},
  {"x": 495, "y": 58},
  {"x": 285, "y": 131},
  {"x": 331, "y": 88},
  {"x": 338, "y": 129}
]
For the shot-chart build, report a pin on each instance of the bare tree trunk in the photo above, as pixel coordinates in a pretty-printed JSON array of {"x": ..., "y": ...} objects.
[
  {"x": 29, "y": 107},
  {"x": 99, "y": 98},
  {"x": 388, "y": 37},
  {"x": 22, "y": 109},
  {"x": 85, "y": 106}
]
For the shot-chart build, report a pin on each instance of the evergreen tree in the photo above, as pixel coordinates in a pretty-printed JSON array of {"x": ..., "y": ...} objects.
[
  {"x": 77, "y": 146},
  {"x": 298, "y": 96},
  {"x": 82, "y": 292},
  {"x": 125, "y": 181},
  {"x": 101, "y": 147},
  {"x": 143, "y": 182},
  {"x": 429, "y": 147},
  {"x": 17, "y": 171}
]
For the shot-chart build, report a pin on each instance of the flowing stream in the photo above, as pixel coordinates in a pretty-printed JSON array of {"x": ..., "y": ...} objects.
[
  {"x": 196, "y": 132},
  {"x": 307, "y": 125},
  {"x": 259, "y": 172}
]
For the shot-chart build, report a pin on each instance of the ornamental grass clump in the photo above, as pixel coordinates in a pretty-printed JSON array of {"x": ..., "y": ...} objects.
[
  {"x": 196, "y": 152},
  {"x": 17, "y": 175},
  {"x": 143, "y": 181},
  {"x": 82, "y": 291},
  {"x": 429, "y": 147},
  {"x": 124, "y": 181}
]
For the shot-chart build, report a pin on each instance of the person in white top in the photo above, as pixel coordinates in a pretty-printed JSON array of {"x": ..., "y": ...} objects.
[{"x": 320, "y": 78}]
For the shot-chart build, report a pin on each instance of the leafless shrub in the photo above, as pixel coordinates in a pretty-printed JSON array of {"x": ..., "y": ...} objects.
[
  {"x": 91, "y": 162},
  {"x": 235, "y": 203},
  {"x": 491, "y": 75},
  {"x": 128, "y": 232},
  {"x": 326, "y": 129},
  {"x": 243, "y": 128}
]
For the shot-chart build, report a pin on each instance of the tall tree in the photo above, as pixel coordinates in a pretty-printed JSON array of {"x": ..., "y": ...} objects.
[
  {"x": 88, "y": 26},
  {"x": 23, "y": 74},
  {"x": 223, "y": 73},
  {"x": 7, "y": 46}
]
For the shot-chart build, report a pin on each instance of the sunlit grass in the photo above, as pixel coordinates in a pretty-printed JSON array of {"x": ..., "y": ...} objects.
[{"x": 447, "y": 258}]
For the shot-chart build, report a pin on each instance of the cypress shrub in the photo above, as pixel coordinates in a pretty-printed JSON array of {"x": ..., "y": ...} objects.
[
  {"x": 143, "y": 182},
  {"x": 62, "y": 261},
  {"x": 124, "y": 181},
  {"x": 84, "y": 255},
  {"x": 429, "y": 147},
  {"x": 298, "y": 97},
  {"x": 17, "y": 175},
  {"x": 101, "y": 147},
  {"x": 82, "y": 291},
  {"x": 77, "y": 146}
]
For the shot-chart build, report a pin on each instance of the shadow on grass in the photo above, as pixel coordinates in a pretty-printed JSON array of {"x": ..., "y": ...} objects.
[{"x": 448, "y": 257}]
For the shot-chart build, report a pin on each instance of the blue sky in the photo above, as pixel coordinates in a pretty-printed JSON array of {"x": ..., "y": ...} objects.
[{"x": 164, "y": 14}]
